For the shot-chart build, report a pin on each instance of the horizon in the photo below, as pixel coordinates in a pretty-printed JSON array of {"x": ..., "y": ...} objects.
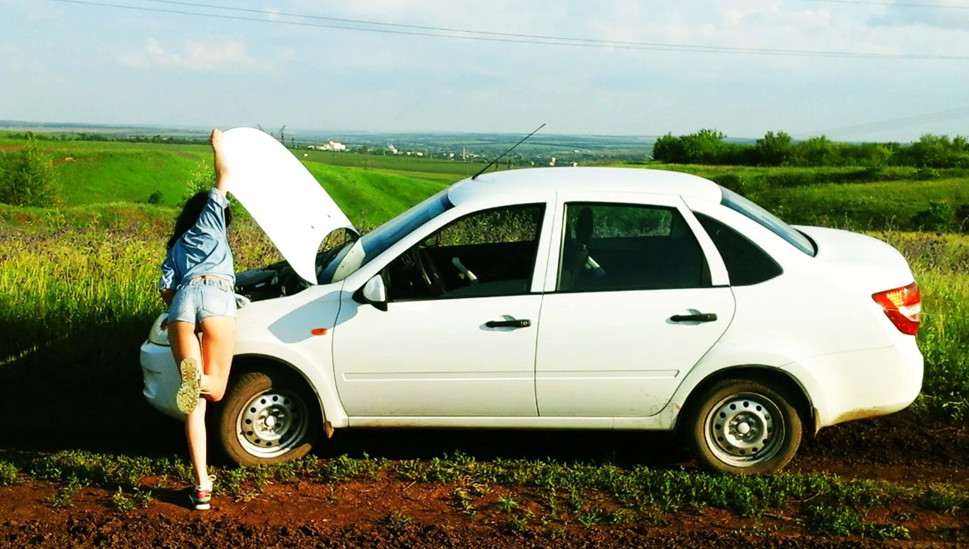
[{"x": 77, "y": 127}]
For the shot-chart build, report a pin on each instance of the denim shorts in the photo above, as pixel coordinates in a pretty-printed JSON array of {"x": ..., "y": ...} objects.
[{"x": 197, "y": 300}]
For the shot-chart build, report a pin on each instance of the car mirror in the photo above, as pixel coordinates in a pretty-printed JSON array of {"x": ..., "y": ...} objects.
[{"x": 375, "y": 292}]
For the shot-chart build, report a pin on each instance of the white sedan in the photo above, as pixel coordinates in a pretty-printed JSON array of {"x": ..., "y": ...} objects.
[{"x": 571, "y": 298}]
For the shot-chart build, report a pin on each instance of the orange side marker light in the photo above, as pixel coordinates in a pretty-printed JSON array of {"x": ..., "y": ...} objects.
[{"x": 318, "y": 331}]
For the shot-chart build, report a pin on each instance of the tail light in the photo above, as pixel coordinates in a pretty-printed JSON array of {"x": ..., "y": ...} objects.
[{"x": 903, "y": 307}]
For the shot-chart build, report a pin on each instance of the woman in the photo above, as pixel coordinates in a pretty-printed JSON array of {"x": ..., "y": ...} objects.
[{"x": 197, "y": 283}]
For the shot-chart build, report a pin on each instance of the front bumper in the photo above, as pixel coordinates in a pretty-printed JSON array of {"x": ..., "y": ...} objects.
[
  {"x": 861, "y": 384},
  {"x": 161, "y": 379}
]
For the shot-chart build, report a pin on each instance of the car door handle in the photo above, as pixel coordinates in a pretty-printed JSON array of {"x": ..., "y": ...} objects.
[
  {"x": 699, "y": 317},
  {"x": 524, "y": 323}
]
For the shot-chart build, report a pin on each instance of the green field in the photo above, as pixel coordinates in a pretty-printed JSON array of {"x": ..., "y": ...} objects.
[{"x": 85, "y": 272}]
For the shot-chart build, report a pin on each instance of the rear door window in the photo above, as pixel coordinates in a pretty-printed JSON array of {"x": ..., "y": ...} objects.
[{"x": 610, "y": 247}]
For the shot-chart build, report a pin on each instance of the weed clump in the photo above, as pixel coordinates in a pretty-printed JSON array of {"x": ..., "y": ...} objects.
[{"x": 9, "y": 475}]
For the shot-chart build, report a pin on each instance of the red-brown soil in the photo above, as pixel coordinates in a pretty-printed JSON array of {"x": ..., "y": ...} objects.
[
  {"x": 903, "y": 448},
  {"x": 359, "y": 514}
]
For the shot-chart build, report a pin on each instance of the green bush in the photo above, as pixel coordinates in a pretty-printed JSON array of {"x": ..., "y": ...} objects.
[
  {"x": 155, "y": 198},
  {"x": 779, "y": 149},
  {"x": 28, "y": 178},
  {"x": 939, "y": 216},
  {"x": 962, "y": 218}
]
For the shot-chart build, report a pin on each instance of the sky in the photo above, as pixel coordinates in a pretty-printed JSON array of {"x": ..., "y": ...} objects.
[{"x": 68, "y": 62}]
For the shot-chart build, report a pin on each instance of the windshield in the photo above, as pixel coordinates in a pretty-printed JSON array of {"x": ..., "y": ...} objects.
[
  {"x": 345, "y": 260},
  {"x": 740, "y": 204}
]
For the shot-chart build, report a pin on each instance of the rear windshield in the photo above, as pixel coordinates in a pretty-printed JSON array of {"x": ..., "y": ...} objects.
[{"x": 740, "y": 204}]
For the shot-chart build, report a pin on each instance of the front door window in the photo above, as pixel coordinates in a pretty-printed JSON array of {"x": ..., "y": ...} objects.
[{"x": 485, "y": 254}]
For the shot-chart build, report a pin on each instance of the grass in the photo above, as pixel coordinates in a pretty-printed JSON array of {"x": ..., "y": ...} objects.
[
  {"x": 9, "y": 474},
  {"x": 129, "y": 502},
  {"x": 371, "y": 189},
  {"x": 846, "y": 521},
  {"x": 940, "y": 264},
  {"x": 586, "y": 494},
  {"x": 867, "y": 206},
  {"x": 370, "y": 198},
  {"x": 749, "y": 178}
]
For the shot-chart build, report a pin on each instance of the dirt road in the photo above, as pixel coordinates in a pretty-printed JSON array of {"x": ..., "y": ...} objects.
[{"x": 901, "y": 449}]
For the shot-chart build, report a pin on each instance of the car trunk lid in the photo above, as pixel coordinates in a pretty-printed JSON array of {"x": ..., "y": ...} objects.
[{"x": 859, "y": 259}]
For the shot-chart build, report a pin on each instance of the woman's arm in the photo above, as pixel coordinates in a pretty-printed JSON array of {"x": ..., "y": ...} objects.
[{"x": 221, "y": 169}]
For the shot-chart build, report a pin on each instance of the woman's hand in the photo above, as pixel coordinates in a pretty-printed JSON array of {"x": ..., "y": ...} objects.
[{"x": 216, "y": 139}]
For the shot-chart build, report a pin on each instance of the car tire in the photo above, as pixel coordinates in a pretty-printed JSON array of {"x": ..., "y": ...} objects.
[
  {"x": 267, "y": 417},
  {"x": 742, "y": 426}
]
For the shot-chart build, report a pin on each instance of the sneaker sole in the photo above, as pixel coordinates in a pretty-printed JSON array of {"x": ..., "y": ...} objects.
[
  {"x": 188, "y": 394},
  {"x": 202, "y": 506}
]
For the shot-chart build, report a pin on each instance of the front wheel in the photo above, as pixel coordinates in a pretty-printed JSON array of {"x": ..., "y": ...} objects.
[
  {"x": 743, "y": 426},
  {"x": 267, "y": 417}
]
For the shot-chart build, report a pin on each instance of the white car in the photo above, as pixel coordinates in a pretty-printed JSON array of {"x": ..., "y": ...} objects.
[{"x": 572, "y": 298}]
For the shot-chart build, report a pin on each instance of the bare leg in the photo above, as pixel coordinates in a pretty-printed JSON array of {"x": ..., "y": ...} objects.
[
  {"x": 195, "y": 433},
  {"x": 185, "y": 344},
  {"x": 218, "y": 346}
]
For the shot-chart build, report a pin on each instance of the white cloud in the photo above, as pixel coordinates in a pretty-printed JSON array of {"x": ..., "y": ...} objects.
[
  {"x": 226, "y": 56},
  {"x": 901, "y": 16}
]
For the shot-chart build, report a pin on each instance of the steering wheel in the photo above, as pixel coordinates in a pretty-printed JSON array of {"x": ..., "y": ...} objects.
[
  {"x": 430, "y": 274},
  {"x": 418, "y": 263}
]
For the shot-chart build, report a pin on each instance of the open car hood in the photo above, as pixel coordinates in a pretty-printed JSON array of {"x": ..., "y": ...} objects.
[{"x": 282, "y": 196}]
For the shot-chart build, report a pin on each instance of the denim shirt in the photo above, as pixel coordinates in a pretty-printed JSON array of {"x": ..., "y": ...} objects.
[{"x": 202, "y": 250}]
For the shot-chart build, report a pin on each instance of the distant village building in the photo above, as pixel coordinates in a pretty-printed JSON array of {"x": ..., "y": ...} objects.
[
  {"x": 330, "y": 146},
  {"x": 333, "y": 146}
]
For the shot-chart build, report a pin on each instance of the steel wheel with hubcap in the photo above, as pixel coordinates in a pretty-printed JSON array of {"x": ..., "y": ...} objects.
[
  {"x": 272, "y": 423},
  {"x": 268, "y": 417},
  {"x": 742, "y": 426}
]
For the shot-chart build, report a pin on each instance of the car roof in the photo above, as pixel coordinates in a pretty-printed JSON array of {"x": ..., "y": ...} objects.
[{"x": 599, "y": 179}]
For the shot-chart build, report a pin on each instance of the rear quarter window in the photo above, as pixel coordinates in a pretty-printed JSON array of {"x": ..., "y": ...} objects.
[
  {"x": 767, "y": 220},
  {"x": 747, "y": 264}
]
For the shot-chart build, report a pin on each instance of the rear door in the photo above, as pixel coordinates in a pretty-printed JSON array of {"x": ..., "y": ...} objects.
[{"x": 639, "y": 294}]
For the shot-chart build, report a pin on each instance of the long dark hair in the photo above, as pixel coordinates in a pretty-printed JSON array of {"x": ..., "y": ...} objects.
[{"x": 190, "y": 215}]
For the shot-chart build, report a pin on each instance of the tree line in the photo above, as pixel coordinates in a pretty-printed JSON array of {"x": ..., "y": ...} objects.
[{"x": 780, "y": 149}]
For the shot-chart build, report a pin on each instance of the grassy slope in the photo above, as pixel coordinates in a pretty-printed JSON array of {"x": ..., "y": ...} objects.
[
  {"x": 96, "y": 173},
  {"x": 457, "y": 169},
  {"x": 864, "y": 205},
  {"x": 126, "y": 176},
  {"x": 370, "y": 198}
]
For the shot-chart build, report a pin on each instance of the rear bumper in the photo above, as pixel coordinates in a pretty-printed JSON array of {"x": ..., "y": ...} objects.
[
  {"x": 860, "y": 384},
  {"x": 161, "y": 379}
]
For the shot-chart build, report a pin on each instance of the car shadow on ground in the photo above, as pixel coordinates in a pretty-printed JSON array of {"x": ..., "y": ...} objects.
[{"x": 622, "y": 448}]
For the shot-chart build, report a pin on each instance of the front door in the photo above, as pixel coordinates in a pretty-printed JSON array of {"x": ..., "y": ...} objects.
[
  {"x": 634, "y": 308},
  {"x": 459, "y": 333}
]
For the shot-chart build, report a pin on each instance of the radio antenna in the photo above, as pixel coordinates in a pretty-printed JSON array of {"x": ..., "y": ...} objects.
[{"x": 493, "y": 162}]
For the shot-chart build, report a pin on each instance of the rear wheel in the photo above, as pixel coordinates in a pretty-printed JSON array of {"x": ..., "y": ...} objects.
[
  {"x": 267, "y": 417},
  {"x": 743, "y": 426}
]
